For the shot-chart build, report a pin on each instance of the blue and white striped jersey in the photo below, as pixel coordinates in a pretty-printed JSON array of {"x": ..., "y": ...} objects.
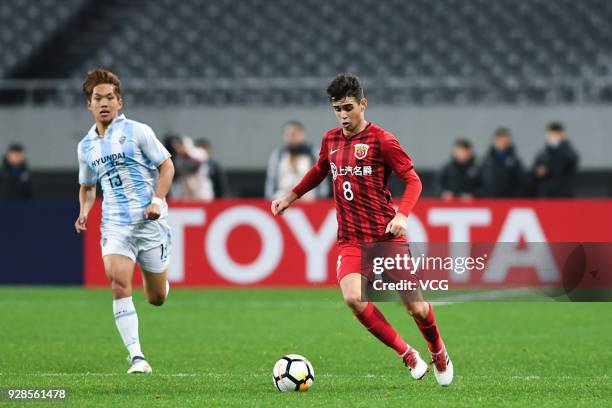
[{"x": 125, "y": 162}]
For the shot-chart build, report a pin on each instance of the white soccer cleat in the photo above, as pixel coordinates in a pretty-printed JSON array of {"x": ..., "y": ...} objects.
[
  {"x": 417, "y": 366},
  {"x": 443, "y": 367},
  {"x": 139, "y": 366}
]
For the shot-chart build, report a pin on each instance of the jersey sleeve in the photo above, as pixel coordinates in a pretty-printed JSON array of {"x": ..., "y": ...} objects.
[
  {"x": 399, "y": 161},
  {"x": 316, "y": 174},
  {"x": 151, "y": 147},
  {"x": 86, "y": 175}
]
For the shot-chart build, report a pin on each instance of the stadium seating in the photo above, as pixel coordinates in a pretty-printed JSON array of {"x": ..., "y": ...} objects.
[
  {"x": 280, "y": 51},
  {"x": 26, "y": 25}
]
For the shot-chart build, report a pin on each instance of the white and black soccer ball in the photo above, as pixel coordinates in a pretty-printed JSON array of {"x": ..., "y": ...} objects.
[{"x": 293, "y": 373}]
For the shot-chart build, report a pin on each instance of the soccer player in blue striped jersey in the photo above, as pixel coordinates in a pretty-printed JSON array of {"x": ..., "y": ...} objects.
[{"x": 135, "y": 172}]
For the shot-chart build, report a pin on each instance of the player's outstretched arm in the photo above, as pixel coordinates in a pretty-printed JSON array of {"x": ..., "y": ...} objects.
[
  {"x": 313, "y": 178},
  {"x": 166, "y": 174},
  {"x": 87, "y": 196},
  {"x": 280, "y": 205}
]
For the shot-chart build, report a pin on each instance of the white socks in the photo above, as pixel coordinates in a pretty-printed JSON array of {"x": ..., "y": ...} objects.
[{"x": 127, "y": 324}]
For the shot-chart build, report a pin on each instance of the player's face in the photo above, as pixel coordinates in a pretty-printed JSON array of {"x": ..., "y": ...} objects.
[
  {"x": 104, "y": 103},
  {"x": 350, "y": 113}
]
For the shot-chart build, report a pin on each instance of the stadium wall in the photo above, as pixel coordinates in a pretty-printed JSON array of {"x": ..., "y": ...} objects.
[
  {"x": 239, "y": 243},
  {"x": 243, "y": 137},
  {"x": 39, "y": 244}
]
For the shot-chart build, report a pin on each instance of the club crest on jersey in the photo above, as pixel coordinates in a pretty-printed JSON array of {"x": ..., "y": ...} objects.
[
  {"x": 361, "y": 150},
  {"x": 122, "y": 139}
]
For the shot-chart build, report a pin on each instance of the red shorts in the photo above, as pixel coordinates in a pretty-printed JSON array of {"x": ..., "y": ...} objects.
[{"x": 349, "y": 260}]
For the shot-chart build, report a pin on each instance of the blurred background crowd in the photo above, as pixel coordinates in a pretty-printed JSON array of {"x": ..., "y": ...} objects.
[
  {"x": 498, "y": 173},
  {"x": 492, "y": 98}
]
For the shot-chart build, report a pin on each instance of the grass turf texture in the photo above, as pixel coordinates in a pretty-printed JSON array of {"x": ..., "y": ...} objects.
[{"x": 217, "y": 348}]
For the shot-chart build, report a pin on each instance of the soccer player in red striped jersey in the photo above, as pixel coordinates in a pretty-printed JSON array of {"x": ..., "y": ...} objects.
[{"x": 361, "y": 156}]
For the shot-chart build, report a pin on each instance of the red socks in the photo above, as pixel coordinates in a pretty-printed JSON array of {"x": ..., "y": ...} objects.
[
  {"x": 375, "y": 322},
  {"x": 429, "y": 329}
]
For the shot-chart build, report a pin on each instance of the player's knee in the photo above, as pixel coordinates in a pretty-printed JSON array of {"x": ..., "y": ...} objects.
[
  {"x": 418, "y": 310},
  {"x": 157, "y": 299},
  {"x": 120, "y": 288},
  {"x": 353, "y": 300}
]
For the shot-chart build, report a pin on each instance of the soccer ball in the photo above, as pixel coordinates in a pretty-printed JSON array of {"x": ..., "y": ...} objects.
[{"x": 293, "y": 373}]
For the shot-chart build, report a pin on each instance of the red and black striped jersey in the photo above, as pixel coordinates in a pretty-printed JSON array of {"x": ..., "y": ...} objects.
[{"x": 360, "y": 166}]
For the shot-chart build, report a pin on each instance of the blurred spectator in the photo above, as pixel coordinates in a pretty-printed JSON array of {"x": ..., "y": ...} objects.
[
  {"x": 289, "y": 163},
  {"x": 459, "y": 178},
  {"x": 191, "y": 181},
  {"x": 555, "y": 165},
  {"x": 216, "y": 173},
  {"x": 501, "y": 172},
  {"x": 15, "y": 181}
]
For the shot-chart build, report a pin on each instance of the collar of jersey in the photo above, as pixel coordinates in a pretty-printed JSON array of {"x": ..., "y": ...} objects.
[
  {"x": 357, "y": 134},
  {"x": 117, "y": 120}
]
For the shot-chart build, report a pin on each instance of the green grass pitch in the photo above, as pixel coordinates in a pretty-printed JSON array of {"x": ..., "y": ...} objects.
[{"x": 217, "y": 348}]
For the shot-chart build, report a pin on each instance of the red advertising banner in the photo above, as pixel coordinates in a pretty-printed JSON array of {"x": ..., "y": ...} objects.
[{"x": 239, "y": 242}]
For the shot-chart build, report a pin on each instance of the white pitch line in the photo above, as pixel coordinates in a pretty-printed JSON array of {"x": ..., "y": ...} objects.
[{"x": 331, "y": 376}]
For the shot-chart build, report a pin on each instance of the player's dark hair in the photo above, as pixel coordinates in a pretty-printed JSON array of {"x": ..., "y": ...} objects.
[
  {"x": 96, "y": 77},
  {"x": 555, "y": 127},
  {"x": 345, "y": 86},
  {"x": 502, "y": 132},
  {"x": 466, "y": 144}
]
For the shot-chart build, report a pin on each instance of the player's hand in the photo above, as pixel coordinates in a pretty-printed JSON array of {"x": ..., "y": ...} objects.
[
  {"x": 152, "y": 212},
  {"x": 397, "y": 226},
  {"x": 279, "y": 206},
  {"x": 80, "y": 224}
]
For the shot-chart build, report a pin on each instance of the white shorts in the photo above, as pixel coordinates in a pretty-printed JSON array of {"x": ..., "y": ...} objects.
[{"x": 147, "y": 243}]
